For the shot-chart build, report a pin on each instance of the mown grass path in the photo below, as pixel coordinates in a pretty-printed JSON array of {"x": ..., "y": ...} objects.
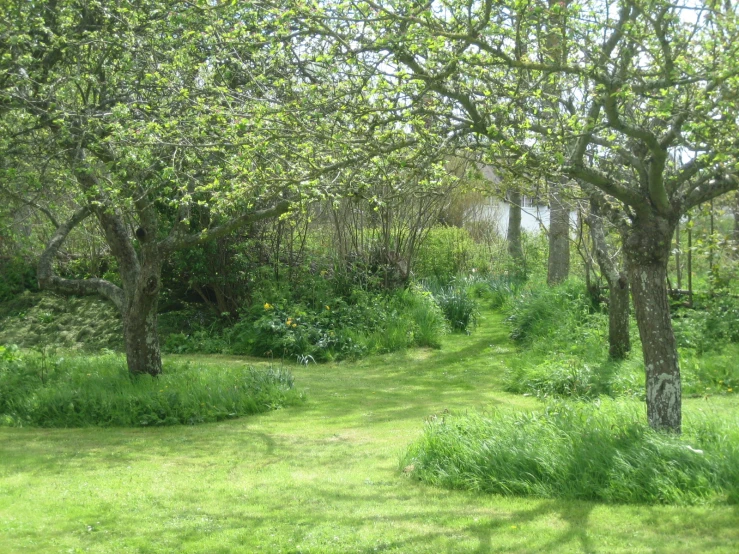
[{"x": 322, "y": 477}]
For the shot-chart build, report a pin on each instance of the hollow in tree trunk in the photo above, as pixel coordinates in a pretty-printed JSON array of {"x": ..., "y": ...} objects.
[{"x": 647, "y": 252}]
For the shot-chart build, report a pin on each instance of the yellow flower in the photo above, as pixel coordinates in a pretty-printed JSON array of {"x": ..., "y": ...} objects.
[
  {"x": 295, "y": 324},
  {"x": 267, "y": 306},
  {"x": 729, "y": 390},
  {"x": 289, "y": 321}
]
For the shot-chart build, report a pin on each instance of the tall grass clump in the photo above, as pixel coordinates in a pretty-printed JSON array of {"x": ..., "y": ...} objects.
[
  {"x": 543, "y": 312},
  {"x": 99, "y": 391},
  {"x": 602, "y": 452},
  {"x": 502, "y": 288},
  {"x": 567, "y": 376},
  {"x": 456, "y": 301}
]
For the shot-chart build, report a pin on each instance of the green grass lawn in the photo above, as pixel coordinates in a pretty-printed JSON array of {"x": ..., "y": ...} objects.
[{"x": 322, "y": 477}]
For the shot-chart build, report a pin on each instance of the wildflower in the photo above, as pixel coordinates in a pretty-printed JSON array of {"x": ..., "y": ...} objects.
[
  {"x": 289, "y": 321},
  {"x": 295, "y": 324},
  {"x": 267, "y": 306}
]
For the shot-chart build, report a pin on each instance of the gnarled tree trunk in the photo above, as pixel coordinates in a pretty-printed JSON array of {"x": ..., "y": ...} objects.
[
  {"x": 647, "y": 252},
  {"x": 140, "y": 323}
]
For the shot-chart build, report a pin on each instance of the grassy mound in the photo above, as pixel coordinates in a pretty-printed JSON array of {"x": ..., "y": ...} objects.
[
  {"x": 99, "y": 391},
  {"x": 34, "y": 320},
  {"x": 600, "y": 451}
]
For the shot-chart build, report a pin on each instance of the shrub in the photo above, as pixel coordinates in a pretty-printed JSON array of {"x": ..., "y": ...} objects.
[
  {"x": 99, "y": 391},
  {"x": 602, "y": 452},
  {"x": 17, "y": 274},
  {"x": 370, "y": 323},
  {"x": 293, "y": 331},
  {"x": 713, "y": 324},
  {"x": 446, "y": 252}
]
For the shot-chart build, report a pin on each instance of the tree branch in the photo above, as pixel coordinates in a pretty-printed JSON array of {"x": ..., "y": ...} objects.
[
  {"x": 19, "y": 198},
  {"x": 710, "y": 190},
  {"x": 47, "y": 279},
  {"x": 178, "y": 240}
]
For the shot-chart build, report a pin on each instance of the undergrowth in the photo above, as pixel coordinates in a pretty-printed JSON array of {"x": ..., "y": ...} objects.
[
  {"x": 44, "y": 391},
  {"x": 603, "y": 451},
  {"x": 563, "y": 347}
]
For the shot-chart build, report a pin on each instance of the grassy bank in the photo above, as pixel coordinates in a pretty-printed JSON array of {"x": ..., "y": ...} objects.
[{"x": 320, "y": 477}]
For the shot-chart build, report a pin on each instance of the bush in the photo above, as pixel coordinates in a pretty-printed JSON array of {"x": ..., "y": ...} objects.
[
  {"x": 371, "y": 323},
  {"x": 41, "y": 391},
  {"x": 427, "y": 316},
  {"x": 446, "y": 252},
  {"x": 603, "y": 452},
  {"x": 713, "y": 324},
  {"x": 17, "y": 274}
]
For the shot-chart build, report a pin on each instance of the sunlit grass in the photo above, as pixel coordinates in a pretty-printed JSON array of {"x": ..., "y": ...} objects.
[{"x": 320, "y": 477}]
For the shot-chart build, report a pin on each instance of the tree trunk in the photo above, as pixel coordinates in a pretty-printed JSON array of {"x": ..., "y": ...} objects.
[
  {"x": 513, "y": 236},
  {"x": 559, "y": 237},
  {"x": 619, "y": 342},
  {"x": 647, "y": 253},
  {"x": 142, "y": 339},
  {"x": 140, "y": 315}
]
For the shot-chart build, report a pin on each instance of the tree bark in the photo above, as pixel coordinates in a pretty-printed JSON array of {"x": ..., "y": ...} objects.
[
  {"x": 513, "y": 235},
  {"x": 558, "y": 267},
  {"x": 647, "y": 252},
  {"x": 140, "y": 324},
  {"x": 619, "y": 342}
]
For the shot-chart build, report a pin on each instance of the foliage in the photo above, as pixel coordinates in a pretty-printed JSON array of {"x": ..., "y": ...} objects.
[
  {"x": 541, "y": 312},
  {"x": 457, "y": 302},
  {"x": 39, "y": 390},
  {"x": 563, "y": 343},
  {"x": 33, "y": 320},
  {"x": 343, "y": 329},
  {"x": 570, "y": 376},
  {"x": 16, "y": 276},
  {"x": 600, "y": 452},
  {"x": 713, "y": 323},
  {"x": 445, "y": 253}
]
